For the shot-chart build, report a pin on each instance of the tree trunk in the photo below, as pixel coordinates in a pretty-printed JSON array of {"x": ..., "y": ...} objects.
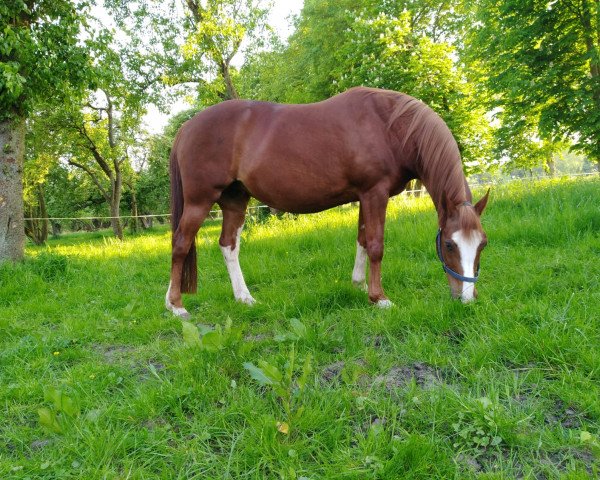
[
  {"x": 115, "y": 207},
  {"x": 134, "y": 211},
  {"x": 231, "y": 91},
  {"x": 12, "y": 149},
  {"x": 551, "y": 166},
  {"x": 115, "y": 202},
  {"x": 56, "y": 229},
  {"x": 37, "y": 228},
  {"x": 115, "y": 221}
]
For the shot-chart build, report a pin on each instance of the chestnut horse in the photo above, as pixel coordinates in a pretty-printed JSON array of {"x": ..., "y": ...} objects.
[{"x": 363, "y": 145}]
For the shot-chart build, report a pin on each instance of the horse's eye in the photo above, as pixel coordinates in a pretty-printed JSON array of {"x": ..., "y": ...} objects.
[
  {"x": 483, "y": 245},
  {"x": 449, "y": 245}
]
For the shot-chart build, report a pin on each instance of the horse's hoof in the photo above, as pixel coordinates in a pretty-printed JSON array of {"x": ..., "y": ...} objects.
[
  {"x": 385, "y": 303},
  {"x": 182, "y": 313},
  {"x": 178, "y": 311},
  {"x": 247, "y": 299},
  {"x": 361, "y": 285}
]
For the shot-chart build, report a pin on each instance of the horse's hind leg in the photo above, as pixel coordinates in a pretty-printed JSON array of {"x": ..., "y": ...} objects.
[
  {"x": 191, "y": 219},
  {"x": 233, "y": 202},
  {"x": 359, "y": 274},
  {"x": 373, "y": 205}
]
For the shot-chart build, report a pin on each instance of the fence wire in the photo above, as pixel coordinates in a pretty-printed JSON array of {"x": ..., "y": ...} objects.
[{"x": 93, "y": 223}]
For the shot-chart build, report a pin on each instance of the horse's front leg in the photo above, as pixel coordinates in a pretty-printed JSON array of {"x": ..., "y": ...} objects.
[
  {"x": 373, "y": 206},
  {"x": 359, "y": 273}
]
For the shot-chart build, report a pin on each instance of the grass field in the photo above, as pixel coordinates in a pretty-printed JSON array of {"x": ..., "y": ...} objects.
[{"x": 99, "y": 381}]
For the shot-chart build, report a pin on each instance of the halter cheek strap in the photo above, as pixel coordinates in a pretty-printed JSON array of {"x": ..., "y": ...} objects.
[{"x": 447, "y": 269}]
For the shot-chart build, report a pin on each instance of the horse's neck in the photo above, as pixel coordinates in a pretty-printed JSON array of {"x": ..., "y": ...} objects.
[{"x": 450, "y": 180}]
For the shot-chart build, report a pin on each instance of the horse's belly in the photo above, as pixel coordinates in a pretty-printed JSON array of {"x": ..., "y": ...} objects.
[{"x": 298, "y": 193}]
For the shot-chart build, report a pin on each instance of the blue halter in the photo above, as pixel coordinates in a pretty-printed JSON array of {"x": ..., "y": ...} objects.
[{"x": 447, "y": 269}]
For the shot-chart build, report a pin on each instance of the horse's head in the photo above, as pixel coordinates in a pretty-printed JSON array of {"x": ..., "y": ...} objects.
[{"x": 459, "y": 243}]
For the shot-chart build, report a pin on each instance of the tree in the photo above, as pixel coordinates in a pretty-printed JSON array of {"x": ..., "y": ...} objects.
[
  {"x": 541, "y": 63},
  {"x": 97, "y": 130},
  {"x": 39, "y": 55},
  {"x": 193, "y": 42}
]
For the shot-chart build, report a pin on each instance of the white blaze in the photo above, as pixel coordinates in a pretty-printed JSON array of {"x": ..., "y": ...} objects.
[
  {"x": 467, "y": 247},
  {"x": 231, "y": 256},
  {"x": 359, "y": 274}
]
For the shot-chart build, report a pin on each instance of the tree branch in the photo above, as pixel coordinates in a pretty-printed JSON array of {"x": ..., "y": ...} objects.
[
  {"x": 93, "y": 176},
  {"x": 111, "y": 123},
  {"x": 92, "y": 148}
]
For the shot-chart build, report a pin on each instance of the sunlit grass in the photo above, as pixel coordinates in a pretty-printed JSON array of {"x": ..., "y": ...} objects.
[{"x": 411, "y": 392}]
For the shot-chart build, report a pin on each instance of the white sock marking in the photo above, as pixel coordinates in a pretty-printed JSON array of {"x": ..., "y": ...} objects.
[
  {"x": 177, "y": 311},
  {"x": 231, "y": 256},
  {"x": 359, "y": 274},
  {"x": 384, "y": 303},
  {"x": 467, "y": 246}
]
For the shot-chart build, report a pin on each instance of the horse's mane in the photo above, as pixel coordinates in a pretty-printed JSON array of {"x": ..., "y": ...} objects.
[
  {"x": 439, "y": 164},
  {"x": 438, "y": 155}
]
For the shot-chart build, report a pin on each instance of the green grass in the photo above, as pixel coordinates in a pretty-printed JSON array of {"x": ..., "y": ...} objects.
[{"x": 422, "y": 390}]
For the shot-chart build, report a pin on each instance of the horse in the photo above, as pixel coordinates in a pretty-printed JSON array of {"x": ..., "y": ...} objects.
[{"x": 362, "y": 145}]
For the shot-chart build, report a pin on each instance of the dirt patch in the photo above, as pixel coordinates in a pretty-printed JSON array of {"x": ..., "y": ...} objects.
[
  {"x": 147, "y": 370},
  {"x": 455, "y": 337},
  {"x": 40, "y": 444},
  {"x": 470, "y": 462},
  {"x": 114, "y": 353},
  {"x": 154, "y": 424},
  {"x": 565, "y": 415},
  {"x": 355, "y": 371},
  {"x": 375, "y": 341},
  {"x": 332, "y": 371},
  {"x": 544, "y": 467},
  {"x": 159, "y": 367},
  {"x": 374, "y": 422},
  {"x": 258, "y": 337},
  {"x": 424, "y": 375},
  {"x": 563, "y": 461}
]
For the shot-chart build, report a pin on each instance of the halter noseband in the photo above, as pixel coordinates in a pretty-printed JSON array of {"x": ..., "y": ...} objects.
[{"x": 447, "y": 269}]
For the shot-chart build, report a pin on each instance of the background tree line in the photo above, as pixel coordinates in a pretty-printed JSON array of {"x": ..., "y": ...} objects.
[{"x": 517, "y": 81}]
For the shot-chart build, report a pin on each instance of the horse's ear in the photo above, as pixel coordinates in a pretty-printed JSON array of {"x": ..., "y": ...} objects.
[
  {"x": 447, "y": 209},
  {"x": 480, "y": 205}
]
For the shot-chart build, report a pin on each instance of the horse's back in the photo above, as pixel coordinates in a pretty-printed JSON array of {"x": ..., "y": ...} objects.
[{"x": 293, "y": 157}]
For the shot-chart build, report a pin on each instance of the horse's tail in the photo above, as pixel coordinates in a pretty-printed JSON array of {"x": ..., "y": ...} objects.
[{"x": 189, "y": 274}]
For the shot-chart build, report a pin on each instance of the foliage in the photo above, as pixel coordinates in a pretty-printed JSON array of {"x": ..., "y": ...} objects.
[
  {"x": 40, "y": 55},
  {"x": 211, "y": 339},
  {"x": 536, "y": 58},
  {"x": 98, "y": 129},
  {"x": 195, "y": 44},
  {"x": 50, "y": 266},
  {"x": 63, "y": 408},
  {"x": 477, "y": 428},
  {"x": 287, "y": 386}
]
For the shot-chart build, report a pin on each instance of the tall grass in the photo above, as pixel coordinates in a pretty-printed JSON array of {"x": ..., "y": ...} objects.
[{"x": 507, "y": 387}]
